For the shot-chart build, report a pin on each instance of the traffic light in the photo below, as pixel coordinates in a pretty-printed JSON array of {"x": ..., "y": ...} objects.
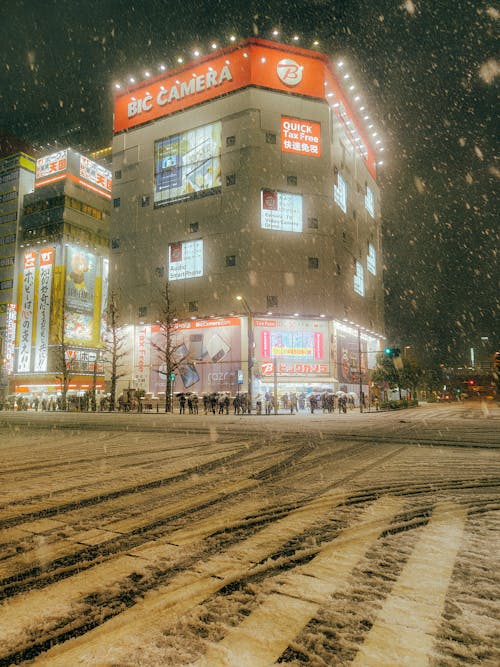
[
  {"x": 392, "y": 352},
  {"x": 471, "y": 382}
]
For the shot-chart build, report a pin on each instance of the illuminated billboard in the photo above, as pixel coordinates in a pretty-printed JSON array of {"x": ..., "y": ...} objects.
[
  {"x": 281, "y": 211},
  {"x": 79, "y": 295},
  {"x": 95, "y": 174},
  {"x": 302, "y": 137},
  {"x": 51, "y": 167},
  {"x": 185, "y": 260},
  {"x": 47, "y": 256},
  {"x": 297, "y": 347},
  {"x": 27, "y": 312},
  {"x": 188, "y": 163},
  {"x": 208, "y": 354}
]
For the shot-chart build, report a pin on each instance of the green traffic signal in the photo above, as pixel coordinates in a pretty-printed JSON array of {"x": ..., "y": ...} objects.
[{"x": 392, "y": 351}]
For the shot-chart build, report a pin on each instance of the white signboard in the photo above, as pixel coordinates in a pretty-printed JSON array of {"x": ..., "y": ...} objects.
[
  {"x": 10, "y": 337},
  {"x": 281, "y": 211},
  {"x": 95, "y": 173},
  {"x": 26, "y": 318},
  {"x": 43, "y": 309},
  {"x": 185, "y": 260},
  {"x": 51, "y": 164}
]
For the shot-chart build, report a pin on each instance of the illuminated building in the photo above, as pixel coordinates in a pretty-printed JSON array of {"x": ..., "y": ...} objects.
[
  {"x": 17, "y": 177},
  {"x": 248, "y": 172},
  {"x": 62, "y": 275}
]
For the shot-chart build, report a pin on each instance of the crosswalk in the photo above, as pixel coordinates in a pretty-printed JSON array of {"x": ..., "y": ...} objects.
[{"x": 402, "y": 634}]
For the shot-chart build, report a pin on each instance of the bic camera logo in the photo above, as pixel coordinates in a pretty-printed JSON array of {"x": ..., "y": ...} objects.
[{"x": 289, "y": 72}]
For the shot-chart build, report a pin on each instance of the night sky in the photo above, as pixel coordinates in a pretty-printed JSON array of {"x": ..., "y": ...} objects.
[{"x": 427, "y": 70}]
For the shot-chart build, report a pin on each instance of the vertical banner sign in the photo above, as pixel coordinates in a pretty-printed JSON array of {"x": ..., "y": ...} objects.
[
  {"x": 142, "y": 354},
  {"x": 79, "y": 295},
  {"x": 104, "y": 301},
  {"x": 43, "y": 310},
  {"x": 10, "y": 338},
  {"x": 26, "y": 318}
]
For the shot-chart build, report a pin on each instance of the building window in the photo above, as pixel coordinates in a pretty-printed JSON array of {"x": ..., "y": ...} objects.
[
  {"x": 145, "y": 200},
  {"x": 272, "y": 301},
  {"x": 194, "y": 227},
  {"x": 116, "y": 202},
  {"x": 371, "y": 259},
  {"x": 115, "y": 243},
  {"x": 312, "y": 223},
  {"x": 231, "y": 179},
  {"x": 270, "y": 138},
  {"x": 359, "y": 279},
  {"x": 230, "y": 141},
  {"x": 118, "y": 174},
  {"x": 143, "y": 311},
  {"x": 193, "y": 306},
  {"x": 313, "y": 262},
  {"x": 340, "y": 193},
  {"x": 160, "y": 271},
  {"x": 370, "y": 202},
  {"x": 291, "y": 180},
  {"x": 230, "y": 260}
]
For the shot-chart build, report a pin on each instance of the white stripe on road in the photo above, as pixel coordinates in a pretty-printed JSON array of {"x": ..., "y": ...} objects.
[
  {"x": 403, "y": 633},
  {"x": 263, "y": 636}
]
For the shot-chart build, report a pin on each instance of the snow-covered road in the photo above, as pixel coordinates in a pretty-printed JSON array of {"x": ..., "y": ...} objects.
[{"x": 135, "y": 540}]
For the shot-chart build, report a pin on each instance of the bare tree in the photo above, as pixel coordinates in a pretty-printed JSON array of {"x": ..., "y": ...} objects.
[
  {"x": 166, "y": 345},
  {"x": 114, "y": 345}
]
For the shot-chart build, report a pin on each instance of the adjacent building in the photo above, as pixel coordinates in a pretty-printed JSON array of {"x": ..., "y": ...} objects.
[
  {"x": 62, "y": 276},
  {"x": 17, "y": 177},
  {"x": 249, "y": 173}
]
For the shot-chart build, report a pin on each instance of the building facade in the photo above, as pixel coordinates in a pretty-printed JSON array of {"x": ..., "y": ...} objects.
[
  {"x": 17, "y": 178},
  {"x": 248, "y": 173},
  {"x": 62, "y": 275}
]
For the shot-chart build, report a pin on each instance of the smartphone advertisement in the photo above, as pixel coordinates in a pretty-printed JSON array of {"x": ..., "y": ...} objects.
[
  {"x": 207, "y": 354},
  {"x": 188, "y": 163}
]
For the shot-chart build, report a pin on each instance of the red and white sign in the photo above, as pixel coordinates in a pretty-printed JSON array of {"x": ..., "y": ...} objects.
[
  {"x": 26, "y": 316},
  {"x": 285, "y": 368},
  {"x": 289, "y": 71},
  {"x": 43, "y": 309},
  {"x": 254, "y": 62},
  {"x": 302, "y": 137},
  {"x": 51, "y": 164}
]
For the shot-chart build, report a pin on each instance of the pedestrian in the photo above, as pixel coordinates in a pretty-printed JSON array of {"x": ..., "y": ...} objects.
[
  {"x": 312, "y": 403},
  {"x": 195, "y": 404},
  {"x": 182, "y": 404}
]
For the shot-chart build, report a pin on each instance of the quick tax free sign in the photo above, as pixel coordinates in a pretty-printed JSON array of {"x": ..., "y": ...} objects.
[{"x": 302, "y": 137}]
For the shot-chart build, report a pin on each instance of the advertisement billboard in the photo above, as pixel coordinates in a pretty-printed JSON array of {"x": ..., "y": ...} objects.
[
  {"x": 187, "y": 163},
  {"x": 95, "y": 175},
  {"x": 281, "y": 211},
  {"x": 208, "y": 354},
  {"x": 50, "y": 166},
  {"x": 10, "y": 338},
  {"x": 27, "y": 312},
  {"x": 43, "y": 309},
  {"x": 254, "y": 62},
  {"x": 185, "y": 260},
  {"x": 302, "y": 137},
  {"x": 297, "y": 347},
  {"x": 79, "y": 295}
]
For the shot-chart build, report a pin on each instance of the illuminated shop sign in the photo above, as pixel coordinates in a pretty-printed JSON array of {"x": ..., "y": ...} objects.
[
  {"x": 10, "y": 337},
  {"x": 254, "y": 62},
  {"x": 296, "y": 346},
  {"x": 95, "y": 174},
  {"x": 79, "y": 295},
  {"x": 185, "y": 260},
  {"x": 302, "y": 137},
  {"x": 43, "y": 309},
  {"x": 27, "y": 311},
  {"x": 187, "y": 163},
  {"x": 207, "y": 355},
  {"x": 53, "y": 165},
  {"x": 281, "y": 211}
]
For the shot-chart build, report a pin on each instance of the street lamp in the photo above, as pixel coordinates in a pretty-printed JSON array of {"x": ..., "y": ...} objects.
[{"x": 242, "y": 300}]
